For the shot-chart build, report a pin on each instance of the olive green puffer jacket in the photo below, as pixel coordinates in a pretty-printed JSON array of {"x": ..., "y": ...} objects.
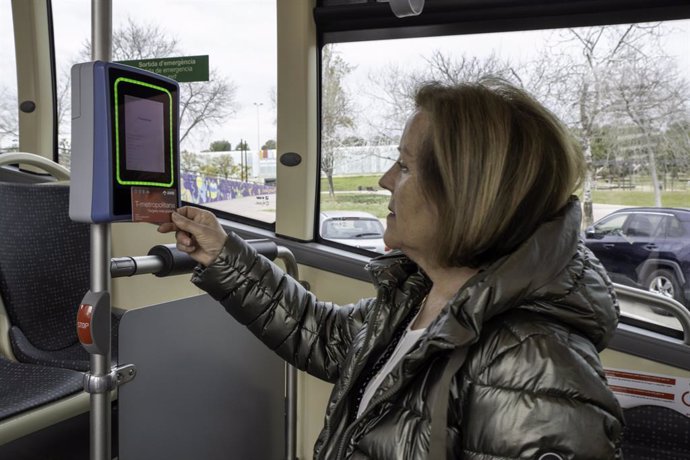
[{"x": 532, "y": 383}]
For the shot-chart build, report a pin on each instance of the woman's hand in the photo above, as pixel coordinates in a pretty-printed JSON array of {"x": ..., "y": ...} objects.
[{"x": 197, "y": 232}]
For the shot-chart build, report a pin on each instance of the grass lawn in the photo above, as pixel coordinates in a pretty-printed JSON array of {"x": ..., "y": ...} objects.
[
  {"x": 640, "y": 198},
  {"x": 376, "y": 204},
  {"x": 350, "y": 183},
  {"x": 373, "y": 204},
  {"x": 361, "y": 201}
]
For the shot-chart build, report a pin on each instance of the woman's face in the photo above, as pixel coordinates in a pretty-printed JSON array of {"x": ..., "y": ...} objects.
[{"x": 412, "y": 223}]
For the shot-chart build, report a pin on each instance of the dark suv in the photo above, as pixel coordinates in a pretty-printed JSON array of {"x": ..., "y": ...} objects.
[{"x": 647, "y": 248}]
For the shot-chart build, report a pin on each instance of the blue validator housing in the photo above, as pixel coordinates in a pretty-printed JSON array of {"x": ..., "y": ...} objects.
[{"x": 125, "y": 133}]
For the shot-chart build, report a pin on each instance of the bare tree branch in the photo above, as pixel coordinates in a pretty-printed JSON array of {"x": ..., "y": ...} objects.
[
  {"x": 9, "y": 113},
  {"x": 202, "y": 104},
  {"x": 337, "y": 110}
]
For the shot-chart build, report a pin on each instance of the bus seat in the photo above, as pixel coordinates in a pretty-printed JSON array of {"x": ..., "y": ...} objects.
[
  {"x": 654, "y": 432},
  {"x": 44, "y": 274},
  {"x": 28, "y": 386}
]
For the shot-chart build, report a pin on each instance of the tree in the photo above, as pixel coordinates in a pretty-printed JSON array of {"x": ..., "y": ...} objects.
[
  {"x": 269, "y": 145},
  {"x": 225, "y": 166},
  {"x": 336, "y": 110},
  {"x": 392, "y": 90},
  {"x": 9, "y": 114},
  {"x": 455, "y": 71},
  {"x": 606, "y": 152},
  {"x": 206, "y": 103},
  {"x": 242, "y": 145},
  {"x": 189, "y": 162},
  {"x": 208, "y": 169},
  {"x": 579, "y": 74},
  {"x": 652, "y": 95},
  {"x": 202, "y": 104},
  {"x": 394, "y": 87},
  {"x": 220, "y": 146},
  {"x": 354, "y": 141},
  {"x": 64, "y": 92},
  {"x": 140, "y": 41},
  {"x": 219, "y": 166},
  {"x": 674, "y": 150}
]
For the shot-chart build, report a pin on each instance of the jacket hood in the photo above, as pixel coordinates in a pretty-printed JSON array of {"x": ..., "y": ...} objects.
[{"x": 552, "y": 273}]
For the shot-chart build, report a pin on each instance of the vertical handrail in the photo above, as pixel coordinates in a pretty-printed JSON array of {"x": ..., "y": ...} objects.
[
  {"x": 291, "y": 268},
  {"x": 100, "y": 425},
  {"x": 101, "y": 30}
]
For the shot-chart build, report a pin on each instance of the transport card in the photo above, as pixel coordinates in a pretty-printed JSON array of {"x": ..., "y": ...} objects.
[{"x": 153, "y": 204}]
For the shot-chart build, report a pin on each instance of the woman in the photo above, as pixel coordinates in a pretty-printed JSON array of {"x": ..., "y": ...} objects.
[{"x": 482, "y": 340}]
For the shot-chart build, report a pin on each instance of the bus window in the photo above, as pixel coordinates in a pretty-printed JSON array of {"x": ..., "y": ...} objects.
[
  {"x": 622, "y": 90},
  {"x": 72, "y": 37},
  {"x": 228, "y": 115},
  {"x": 9, "y": 118}
]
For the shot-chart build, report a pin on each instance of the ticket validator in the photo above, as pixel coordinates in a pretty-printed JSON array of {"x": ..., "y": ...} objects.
[{"x": 125, "y": 149}]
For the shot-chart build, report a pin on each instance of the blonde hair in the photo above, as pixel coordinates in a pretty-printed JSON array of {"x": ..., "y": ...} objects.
[{"x": 496, "y": 164}]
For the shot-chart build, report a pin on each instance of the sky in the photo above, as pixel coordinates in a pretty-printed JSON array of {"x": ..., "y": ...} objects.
[
  {"x": 240, "y": 38},
  {"x": 516, "y": 47}
]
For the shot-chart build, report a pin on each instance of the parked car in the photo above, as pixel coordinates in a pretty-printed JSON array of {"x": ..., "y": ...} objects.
[
  {"x": 647, "y": 248},
  {"x": 354, "y": 228}
]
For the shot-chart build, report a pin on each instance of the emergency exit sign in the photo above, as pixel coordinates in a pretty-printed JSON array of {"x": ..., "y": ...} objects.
[{"x": 181, "y": 69}]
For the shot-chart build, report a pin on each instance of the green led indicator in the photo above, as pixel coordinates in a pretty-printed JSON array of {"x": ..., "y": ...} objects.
[{"x": 117, "y": 135}]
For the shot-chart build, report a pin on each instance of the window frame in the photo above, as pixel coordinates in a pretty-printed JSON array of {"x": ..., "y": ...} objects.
[
  {"x": 352, "y": 20},
  {"x": 36, "y": 78},
  {"x": 339, "y": 21}
]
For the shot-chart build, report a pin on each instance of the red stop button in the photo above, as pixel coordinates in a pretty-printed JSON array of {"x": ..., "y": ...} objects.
[{"x": 84, "y": 316}]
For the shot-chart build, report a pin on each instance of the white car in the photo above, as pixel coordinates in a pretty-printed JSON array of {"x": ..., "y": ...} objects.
[{"x": 354, "y": 228}]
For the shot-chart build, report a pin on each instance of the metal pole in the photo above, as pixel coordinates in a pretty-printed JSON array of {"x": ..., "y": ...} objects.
[
  {"x": 291, "y": 268},
  {"x": 101, "y": 30},
  {"x": 101, "y": 46},
  {"x": 100, "y": 363},
  {"x": 291, "y": 412}
]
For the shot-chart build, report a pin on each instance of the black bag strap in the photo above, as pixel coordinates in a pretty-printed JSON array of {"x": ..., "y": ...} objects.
[{"x": 439, "y": 414}]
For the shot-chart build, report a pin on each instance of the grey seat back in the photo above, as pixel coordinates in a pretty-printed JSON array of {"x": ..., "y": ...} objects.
[
  {"x": 654, "y": 432},
  {"x": 38, "y": 294},
  {"x": 44, "y": 273}
]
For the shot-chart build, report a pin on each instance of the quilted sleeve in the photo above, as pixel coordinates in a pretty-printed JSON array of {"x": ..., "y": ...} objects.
[{"x": 311, "y": 335}]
